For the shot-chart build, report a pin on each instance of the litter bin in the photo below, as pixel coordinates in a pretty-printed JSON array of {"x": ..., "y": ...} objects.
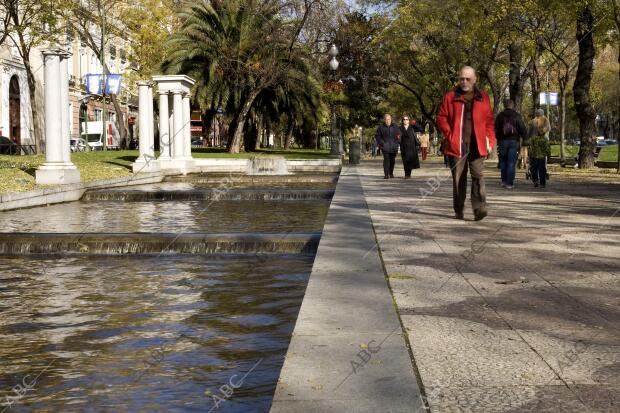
[{"x": 354, "y": 152}]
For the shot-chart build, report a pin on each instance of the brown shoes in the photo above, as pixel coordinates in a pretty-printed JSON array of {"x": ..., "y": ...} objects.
[{"x": 479, "y": 214}]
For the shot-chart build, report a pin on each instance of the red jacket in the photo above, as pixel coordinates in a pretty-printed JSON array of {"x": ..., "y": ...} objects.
[{"x": 450, "y": 122}]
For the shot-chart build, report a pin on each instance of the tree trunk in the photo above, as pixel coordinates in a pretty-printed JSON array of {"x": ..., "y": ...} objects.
[
  {"x": 534, "y": 75},
  {"x": 234, "y": 142},
  {"x": 616, "y": 9},
  {"x": 515, "y": 76},
  {"x": 495, "y": 88},
  {"x": 259, "y": 132},
  {"x": 581, "y": 88},
  {"x": 32, "y": 92},
  {"x": 120, "y": 121},
  {"x": 289, "y": 132},
  {"x": 563, "y": 83}
]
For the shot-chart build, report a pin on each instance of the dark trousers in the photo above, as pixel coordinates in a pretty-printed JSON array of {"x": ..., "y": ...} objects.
[
  {"x": 508, "y": 152},
  {"x": 389, "y": 159},
  {"x": 424, "y": 153},
  {"x": 458, "y": 167},
  {"x": 539, "y": 170}
]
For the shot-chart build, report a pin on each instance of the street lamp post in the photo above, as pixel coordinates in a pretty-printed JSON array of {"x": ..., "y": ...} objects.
[{"x": 334, "y": 142}]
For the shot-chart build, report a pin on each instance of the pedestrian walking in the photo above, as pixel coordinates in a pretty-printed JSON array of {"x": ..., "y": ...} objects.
[
  {"x": 466, "y": 122},
  {"x": 539, "y": 149},
  {"x": 424, "y": 141},
  {"x": 409, "y": 145},
  {"x": 510, "y": 131},
  {"x": 388, "y": 138},
  {"x": 539, "y": 126}
]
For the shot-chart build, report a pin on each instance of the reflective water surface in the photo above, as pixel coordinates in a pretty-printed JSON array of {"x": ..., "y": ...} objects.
[
  {"x": 169, "y": 216},
  {"x": 144, "y": 334}
]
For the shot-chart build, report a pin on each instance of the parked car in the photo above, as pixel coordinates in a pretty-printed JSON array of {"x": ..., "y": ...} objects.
[
  {"x": 197, "y": 142},
  {"x": 7, "y": 146},
  {"x": 77, "y": 145},
  {"x": 611, "y": 142},
  {"x": 600, "y": 144}
]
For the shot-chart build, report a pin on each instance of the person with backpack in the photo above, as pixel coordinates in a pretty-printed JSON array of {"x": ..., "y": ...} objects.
[{"x": 509, "y": 131}]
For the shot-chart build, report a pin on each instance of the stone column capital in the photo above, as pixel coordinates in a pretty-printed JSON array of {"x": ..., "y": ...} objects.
[
  {"x": 55, "y": 51},
  {"x": 145, "y": 83}
]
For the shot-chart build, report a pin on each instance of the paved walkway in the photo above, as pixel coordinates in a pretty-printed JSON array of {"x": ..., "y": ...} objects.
[{"x": 516, "y": 313}]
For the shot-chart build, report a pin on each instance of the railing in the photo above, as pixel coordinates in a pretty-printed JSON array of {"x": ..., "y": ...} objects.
[{"x": 14, "y": 149}]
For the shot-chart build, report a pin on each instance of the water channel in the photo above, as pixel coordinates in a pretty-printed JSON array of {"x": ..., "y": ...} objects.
[{"x": 103, "y": 331}]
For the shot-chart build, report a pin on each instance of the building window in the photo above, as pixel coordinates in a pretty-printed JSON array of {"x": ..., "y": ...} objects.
[{"x": 98, "y": 115}]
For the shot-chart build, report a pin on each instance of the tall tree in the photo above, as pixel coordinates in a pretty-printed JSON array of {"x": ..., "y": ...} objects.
[
  {"x": 235, "y": 50},
  {"x": 581, "y": 87},
  {"x": 616, "y": 13},
  {"x": 96, "y": 21}
]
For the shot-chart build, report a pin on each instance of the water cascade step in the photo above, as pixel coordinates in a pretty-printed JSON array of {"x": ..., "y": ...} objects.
[
  {"x": 212, "y": 194},
  {"x": 267, "y": 165},
  {"x": 158, "y": 243},
  {"x": 233, "y": 179}
]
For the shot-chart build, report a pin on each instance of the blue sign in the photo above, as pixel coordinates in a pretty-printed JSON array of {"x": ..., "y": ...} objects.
[
  {"x": 93, "y": 84},
  {"x": 113, "y": 84},
  {"x": 550, "y": 98}
]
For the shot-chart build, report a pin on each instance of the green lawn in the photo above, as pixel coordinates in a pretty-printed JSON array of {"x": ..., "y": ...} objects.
[
  {"x": 608, "y": 153},
  {"x": 17, "y": 172}
]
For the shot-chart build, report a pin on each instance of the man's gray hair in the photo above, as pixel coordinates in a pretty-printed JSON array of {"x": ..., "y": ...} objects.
[
  {"x": 539, "y": 112},
  {"x": 468, "y": 68}
]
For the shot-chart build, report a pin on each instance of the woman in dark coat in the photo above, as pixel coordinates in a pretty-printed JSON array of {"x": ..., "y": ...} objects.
[{"x": 409, "y": 145}]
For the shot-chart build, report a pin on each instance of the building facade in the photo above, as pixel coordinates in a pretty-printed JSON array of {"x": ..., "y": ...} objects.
[{"x": 18, "y": 114}]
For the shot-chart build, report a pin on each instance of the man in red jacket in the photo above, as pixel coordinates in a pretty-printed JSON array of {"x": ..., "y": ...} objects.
[{"x": 465, "y": 119}]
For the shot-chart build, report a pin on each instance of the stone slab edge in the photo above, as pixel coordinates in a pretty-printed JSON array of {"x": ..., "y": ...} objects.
[
  {"x": 71, "y": 192},
  {"x": 347, "y": 302}
]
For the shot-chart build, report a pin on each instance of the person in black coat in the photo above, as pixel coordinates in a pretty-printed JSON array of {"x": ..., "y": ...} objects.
[
  {"x": 388, "y": 138},
  {"x": 409, "y": 145}
]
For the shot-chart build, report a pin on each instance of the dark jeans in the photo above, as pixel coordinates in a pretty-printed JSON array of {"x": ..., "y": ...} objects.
[
  {"x": 539, "y": 170},
  {"x": 458, "y": 167},
  {"x": 508, "y": 153},
  {"x": 389, "y": 159}
]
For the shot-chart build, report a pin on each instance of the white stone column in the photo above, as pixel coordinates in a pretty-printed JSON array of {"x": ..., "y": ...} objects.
[
  {"x": 143, "y": 117},
  {"x": 57, "y": 168},
  {"x": 187, "y": 129},
  {"x": 171, "y": 125},
  {"x": 151, "y": 147},
  {"x": 164, "y": 127},
  {"x": 64, "y": 107},
  {"x": 146, "y": 161},
  {"x": 179, "y": 128}
]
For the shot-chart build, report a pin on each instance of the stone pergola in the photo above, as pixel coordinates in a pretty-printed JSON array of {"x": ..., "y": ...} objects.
[
  {"x": 174, "y": 125},
  {"x": 58, "y": 168}
]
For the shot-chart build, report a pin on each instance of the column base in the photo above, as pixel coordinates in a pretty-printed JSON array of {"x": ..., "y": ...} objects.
[
  {"x": 58, "y": 173},
  {"x": 142, "y": 165},
  {"x": 183, "y": 165}
]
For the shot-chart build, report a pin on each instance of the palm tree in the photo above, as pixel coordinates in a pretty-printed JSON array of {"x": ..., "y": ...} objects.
[{"x": 235, "y": 50}]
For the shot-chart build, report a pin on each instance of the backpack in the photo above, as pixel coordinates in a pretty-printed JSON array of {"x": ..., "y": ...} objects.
[{"x": 509, "y": 128}]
